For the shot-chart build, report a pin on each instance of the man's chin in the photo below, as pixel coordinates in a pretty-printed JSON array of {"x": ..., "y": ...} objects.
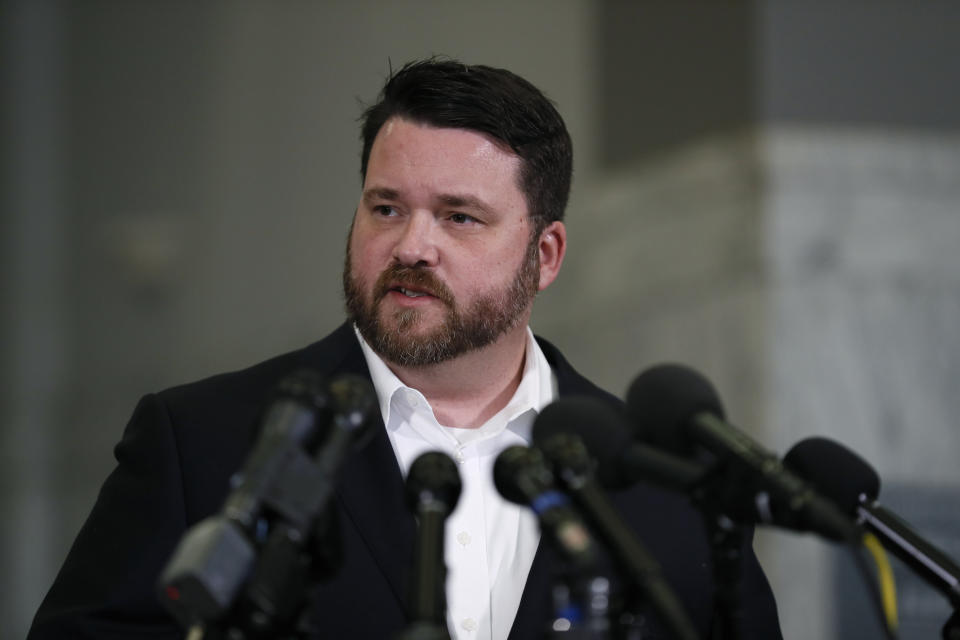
[
  {"x": 417, "y": 333},
  {"x": 411, "y": 322}
]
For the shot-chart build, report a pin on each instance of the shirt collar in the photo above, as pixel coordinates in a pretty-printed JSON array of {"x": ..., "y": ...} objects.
[
  {"x": 385, "y": 382},
  {"x": 537, "y": 388}
]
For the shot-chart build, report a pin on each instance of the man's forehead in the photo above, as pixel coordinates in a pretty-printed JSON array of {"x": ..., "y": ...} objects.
[
  {"x": 482, "y": 138},
  {"x": 407, "y": 149}
]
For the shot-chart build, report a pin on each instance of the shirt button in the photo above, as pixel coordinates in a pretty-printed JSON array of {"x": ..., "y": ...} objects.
[
  {"x": 458, "y": 455},
  {"x": 469, "y": 624},
  {"x": 463, "y": 538}
]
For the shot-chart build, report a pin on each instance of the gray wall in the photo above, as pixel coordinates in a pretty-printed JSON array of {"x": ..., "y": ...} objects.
[
  {"x": 764, "y": 191},
  {"x": 179, "y": 181}
]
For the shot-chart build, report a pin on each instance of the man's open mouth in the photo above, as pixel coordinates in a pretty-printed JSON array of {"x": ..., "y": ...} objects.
[{"x": 410, "y": 293}]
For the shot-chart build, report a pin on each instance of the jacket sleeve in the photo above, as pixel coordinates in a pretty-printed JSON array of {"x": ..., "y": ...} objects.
[{"x": 106, "y": 587}]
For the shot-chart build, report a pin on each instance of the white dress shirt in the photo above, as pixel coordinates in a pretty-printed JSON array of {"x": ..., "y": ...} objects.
[{"x": 489, "y": 542}]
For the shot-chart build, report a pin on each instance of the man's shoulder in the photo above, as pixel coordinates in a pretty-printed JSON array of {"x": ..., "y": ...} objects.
[
  {"x": 213, "y": 421},
  {"x": 337, "y": 352},
  {"x": 569, "y": 380}
]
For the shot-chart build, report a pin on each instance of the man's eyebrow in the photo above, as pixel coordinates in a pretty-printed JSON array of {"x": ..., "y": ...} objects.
[
  {"x": 455, "y": 200},
  {"x": 448, "y": 199},
  {"x": 380, "y": 193}
]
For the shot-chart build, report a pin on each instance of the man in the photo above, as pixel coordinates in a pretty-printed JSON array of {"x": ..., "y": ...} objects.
[{"x": 466, "y": 173}]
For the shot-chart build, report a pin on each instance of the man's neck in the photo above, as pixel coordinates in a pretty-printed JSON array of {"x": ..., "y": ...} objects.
[{"x": 468, "y": 390}]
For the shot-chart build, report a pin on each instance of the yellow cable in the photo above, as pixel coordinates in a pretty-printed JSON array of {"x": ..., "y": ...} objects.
[{"x": 888, "y": 590}]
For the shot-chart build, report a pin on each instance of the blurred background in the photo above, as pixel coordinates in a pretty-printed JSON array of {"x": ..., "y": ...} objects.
[{"x": 767, "y": 191}]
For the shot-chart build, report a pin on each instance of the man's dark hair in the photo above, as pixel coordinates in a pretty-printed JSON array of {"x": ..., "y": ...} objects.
[{"x": 501, "y": 104}]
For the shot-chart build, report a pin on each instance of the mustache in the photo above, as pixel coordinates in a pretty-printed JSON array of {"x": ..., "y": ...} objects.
[{"x": 412, "y": 277}]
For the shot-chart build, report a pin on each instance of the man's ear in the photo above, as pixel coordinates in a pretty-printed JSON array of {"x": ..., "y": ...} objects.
[{"x": 553, "y": 246}]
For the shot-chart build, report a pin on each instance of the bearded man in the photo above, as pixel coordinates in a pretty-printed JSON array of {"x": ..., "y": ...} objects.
[{"x": 466, "y": 173}]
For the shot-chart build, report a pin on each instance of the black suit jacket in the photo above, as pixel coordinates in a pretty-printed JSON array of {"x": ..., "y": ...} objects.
[{"x": 174, "y": 463}]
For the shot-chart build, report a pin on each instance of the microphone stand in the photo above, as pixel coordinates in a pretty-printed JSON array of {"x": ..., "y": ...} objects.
[
  {"x": 726, "y": 539},
  {"x": 432, "y": 490},
  {"x": 427, "y": 599},
  {"x": 726, "y": 536}
]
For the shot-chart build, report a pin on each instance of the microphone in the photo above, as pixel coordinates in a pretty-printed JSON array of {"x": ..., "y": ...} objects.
[
  {"x": 254, "y": 546},
  {"x": 582, "y": 599},
  {"x": 675, "y": 407},
  {"x": 854, "y": 485},
  {"x": 432, "y": 490},
  {"x": 573, "y": 466},
  {"x": 620, "y": 462},
  {"x": 521, "y": 476}
]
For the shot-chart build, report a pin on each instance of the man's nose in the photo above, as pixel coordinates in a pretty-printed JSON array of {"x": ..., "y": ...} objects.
[{"x": 416, "y": 245}]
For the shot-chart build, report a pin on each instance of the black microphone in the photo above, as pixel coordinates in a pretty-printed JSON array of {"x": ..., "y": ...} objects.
[
  {"x": 432, "y": 490},
  {"x": 522, "y": 476},
  {"x": 620, "y": 462},
  {"x": 573, "y": 466},
  {"x": 675, "y": 407},
  {"x": 255, "y": 545},
  {"x": 854, "y": 485}
]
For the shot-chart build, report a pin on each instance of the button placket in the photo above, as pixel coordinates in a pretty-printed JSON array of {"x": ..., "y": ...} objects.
[{"x": 469, "y": 587}]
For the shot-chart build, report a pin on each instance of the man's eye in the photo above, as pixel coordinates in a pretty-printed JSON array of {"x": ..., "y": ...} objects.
[
  {"x": 385, "y": 210},
  {"x": 461, "y": 218}
]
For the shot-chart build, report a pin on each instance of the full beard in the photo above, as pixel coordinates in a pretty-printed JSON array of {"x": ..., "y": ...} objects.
[{"x": 395, "y": 338}]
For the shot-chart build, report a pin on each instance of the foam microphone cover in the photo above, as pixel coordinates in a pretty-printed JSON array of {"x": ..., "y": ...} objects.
[
  {"x": 602, "y": 429},
  {"x": 520, "y": 473},
  {"x": 664, "y": 399},
  {"x": 834, "y": 470},
  {"x": 433, "y": 479}
]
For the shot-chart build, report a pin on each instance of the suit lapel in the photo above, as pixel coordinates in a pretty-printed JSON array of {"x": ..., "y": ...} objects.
[
  {"x": 371, "y": 492},
  {"x": 371, "y": 489}
]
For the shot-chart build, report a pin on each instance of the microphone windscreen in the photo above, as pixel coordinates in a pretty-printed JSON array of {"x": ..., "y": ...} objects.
[
  {"x": 356, "y": 408},
  {"x": 300, "y": 407},
  {"x": 602, "y": 429},
  {"x": 834, "y": 470},
  {"x": 433, "y": 478},
  {"x": 521, "y": 473},
  {"x": 663, "y": 399}
]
